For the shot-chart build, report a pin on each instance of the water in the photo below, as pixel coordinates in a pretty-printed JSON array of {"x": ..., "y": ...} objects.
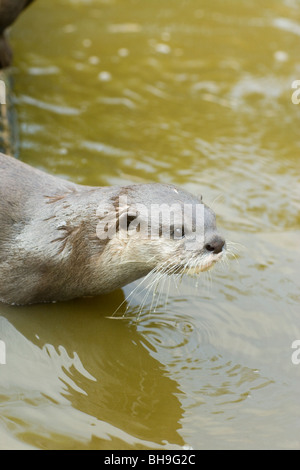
[{"x": 196, "y": 93}]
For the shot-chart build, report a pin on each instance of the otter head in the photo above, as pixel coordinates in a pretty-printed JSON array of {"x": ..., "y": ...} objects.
[{"x": 158, "y": 227}]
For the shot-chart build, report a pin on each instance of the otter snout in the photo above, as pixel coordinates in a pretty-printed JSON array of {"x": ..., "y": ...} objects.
[{"x": 215, "y": 244}]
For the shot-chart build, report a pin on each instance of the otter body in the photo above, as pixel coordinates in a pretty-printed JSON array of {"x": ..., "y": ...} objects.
[{"x": 51, "y": 248}]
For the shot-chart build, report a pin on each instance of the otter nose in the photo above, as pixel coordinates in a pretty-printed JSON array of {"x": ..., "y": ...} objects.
[{"x": 215, "y": 245}]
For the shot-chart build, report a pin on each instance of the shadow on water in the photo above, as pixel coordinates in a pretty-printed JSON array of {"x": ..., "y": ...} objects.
[{"x": 81, "y": 379}]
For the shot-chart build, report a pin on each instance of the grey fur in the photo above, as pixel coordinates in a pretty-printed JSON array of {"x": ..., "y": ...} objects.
[{"x": 49, "y": 248}]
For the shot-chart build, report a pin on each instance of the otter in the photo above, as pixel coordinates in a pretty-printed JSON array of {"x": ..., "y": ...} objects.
[
  {"x": 60, "y": 240},
  {"x": 9, "y": 11}
]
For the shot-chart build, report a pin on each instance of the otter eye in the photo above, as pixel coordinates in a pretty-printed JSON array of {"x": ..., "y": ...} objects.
[
  {"x": 125, "y": 220},
  {"x": 177, "y": 232},
  {"x": 130, "y": 219}
]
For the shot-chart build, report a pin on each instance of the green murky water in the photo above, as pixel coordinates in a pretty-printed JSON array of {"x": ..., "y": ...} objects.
[{"x": 196, "y": 93}]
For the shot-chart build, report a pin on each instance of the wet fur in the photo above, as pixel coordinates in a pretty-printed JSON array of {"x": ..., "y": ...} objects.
[
  {"x": 49, "y": 248},
  {"x": 47, "y": 236}
]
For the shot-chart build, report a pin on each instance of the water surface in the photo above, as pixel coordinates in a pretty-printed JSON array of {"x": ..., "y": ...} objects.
[{"x": 195, "y": 93}]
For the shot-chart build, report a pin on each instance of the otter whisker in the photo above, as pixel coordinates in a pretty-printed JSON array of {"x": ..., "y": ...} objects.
[
  {"x": 167, "y": 272},
  {"x": 153, "y": 295},
  {"x": 132, "y": 292},
  {"x": 162, "y": 285},
  {"x": 168, "y": 291},
  {"x": 234, "y": 247},
  {"x": 231, "y": 243},
  {"x": 215, "y": 200},
  {"x": 155, "y": 282},
  {"x": 162, "y": 273},
  {"x": 231, "y": 246}
]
